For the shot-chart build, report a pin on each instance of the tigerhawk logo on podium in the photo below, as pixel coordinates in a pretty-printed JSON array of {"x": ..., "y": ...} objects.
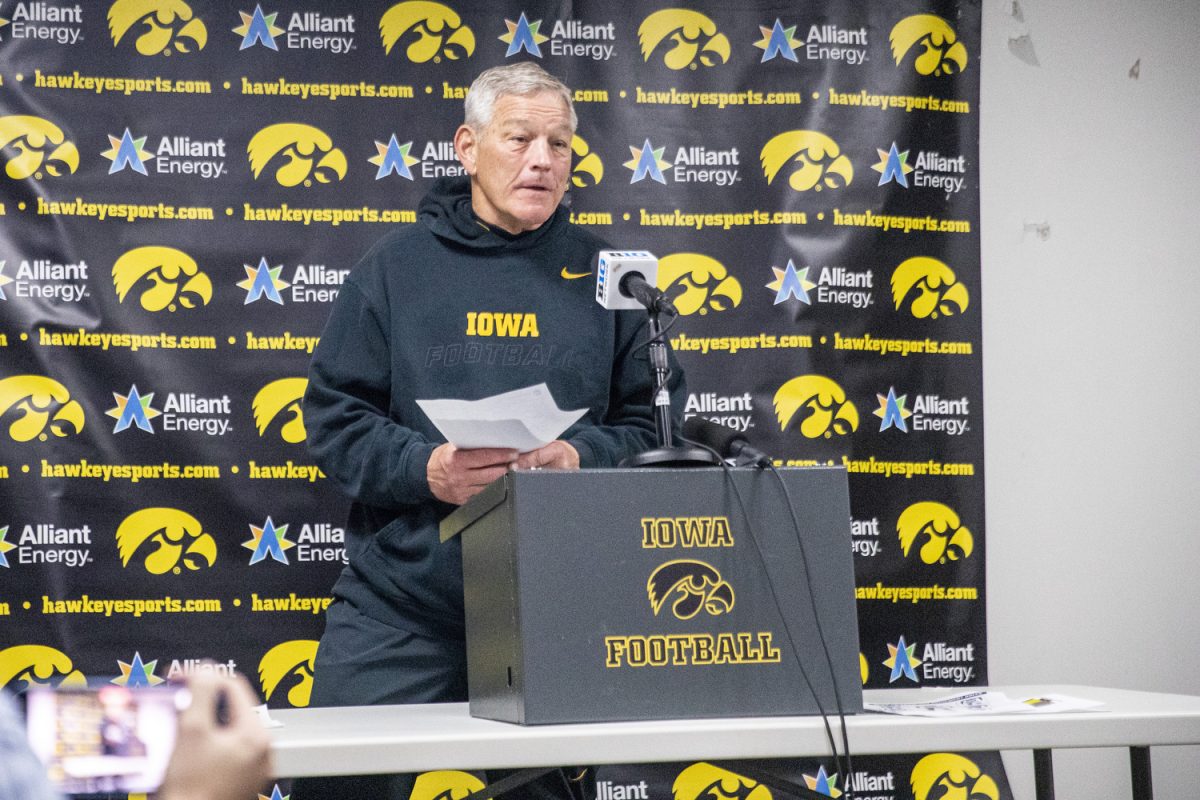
[
  {"x": 41, "y": 148},
  {"x": 427, "y": 31},
  {"x": 929, "y": 288},
  {"x": 38, "y": 407},
  {"x": 686, "y": 39},
  {"x": 303, "y": 154},
  {"x": 276, "y": 398},
  {"x": 936, "y": 527},
  {"x": 168, "y": 279},
  {"x": 820, "y": 404},
  {"x": 170, "y": 540},
  {"x": 447, "y": 784},
  {"x": 167, "y": 26},
  {"x": 589, "y": 170},
  {"x": 940, "y": 51},
  {"x": 25, "y": 665},
  {"x": 949, "y": 775},
  {"x": 698, "y": 283},
  {"x": 289, "y": 666},
  {"x": 692, "y": 586},
  {"x": 704, "y": 781},
  {"x": 821, "y": 161}
]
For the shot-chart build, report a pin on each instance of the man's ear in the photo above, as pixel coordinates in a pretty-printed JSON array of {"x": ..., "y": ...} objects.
[{"x": 465, "y": 144}]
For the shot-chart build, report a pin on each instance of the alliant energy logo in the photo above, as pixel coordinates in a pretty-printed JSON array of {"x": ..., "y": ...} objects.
[
  {"x": 287, "y": 670},
  {"x": 821, "y": 162},
  {"x": 133, "y": 409},
  {"x": 47, "y": 280},
  {"x": 46, "y": 543},
  {"x": 166, "y": 279},
  {"x": 302, "y": 30},
  {"x": 692, "y": 164},
  {"x": 836, "y": 286},
  {"x": 25, "y": 665},
  {"x": 37, "y": 407},
  {"x": 949, "y": 775},
  {"x": 864, "y": 537},
  {"x": 315, "y": 543},
  {"x": 698, "y": 284},
  {"x": 589, "y": 169},
  {"x": 195, "y": 413},
  {"x": 41, "y": 148},
  {"x": 393, "y": 158},
  {"x": 571, "y": 37},
  {"x": 162, "y": 26},
  {"x": 165, "y": 540},
  {"x": 275, "y": 402},
  {"x": 523, "y": 35},
  {"x": 186, "y": 667},
  {"x": 691, "y": 587},
  {"x": 931, "y": 41},
  {"x": 303, "y": 154},
  {"x": 137, "y": 673},
  {"x": 732, "y": 411},
  {"x": 821, "y": 43},
  {"x": 820, "y": 405},
  {"x": 683, "y": 39},
  {"x": 930, "y": 170},
  {"x": 930, "y": 412},
  {"x": 45, "y": 22},
  {"x": 939, "y": 663},
  {"x": 928, "y": 288},
  {"x": 446, "y": 784},
  {"x": 426, "y": 31},
  {"x": 872, "y": 785},
  {"x": 438, "y": 160},
  {"x": 268, "y": 541},
  {"x": 705, "y": 781},
  {"x": 823, "y": 783},
  {"x": 173, "y": 155},
  {"x": 263, "y": 281},
  {"x": 311, "y": 283},
  {"x": 936, "y": 531}
]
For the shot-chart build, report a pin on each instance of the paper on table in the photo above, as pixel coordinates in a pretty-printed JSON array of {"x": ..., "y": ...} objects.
[
  {"x": 986, "y": 702},
  {"x": 523, "y": 419}
]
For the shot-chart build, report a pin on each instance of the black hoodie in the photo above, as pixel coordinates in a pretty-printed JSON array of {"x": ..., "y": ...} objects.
[{"x": 450, "y": 308}]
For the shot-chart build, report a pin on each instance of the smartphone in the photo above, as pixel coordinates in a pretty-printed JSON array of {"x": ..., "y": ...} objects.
[{"x": 103, "y": 739}]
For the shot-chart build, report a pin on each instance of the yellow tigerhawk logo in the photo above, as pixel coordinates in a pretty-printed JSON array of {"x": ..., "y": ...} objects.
[
  {"x": 945, "y": 538},
  {"x": 933, "y": 286},
  {"x": 168, "y": 24},
  {"x": 277, "y": 397},
  {"x": 702, "y": 283},
  {"x": 705, "y": 782},
  {"x": 821, "y": 161},
  {"x": 864, "y": 671},
  {"x": 433, "y": 31},
  {"x": 690, "y": 39},
  {"x": 172, "y": 277},
  {"x": 309, "y": 153},
  {"x": 28, "y": 665},
  {"x": 943, "y": 55},
  {"x": 827, "y": 413},
  {"x": 39, "y": 144},
  {"x": 446, "y": 784},
  {"x": 589, "y": 171},
  {"x": 695, "y": 585},
  {"x": 40, "y": 404},
  {"x": 289, "y": 662},
  {"x": 949, "y": 776},
  {"x": 179, "y": 538}
]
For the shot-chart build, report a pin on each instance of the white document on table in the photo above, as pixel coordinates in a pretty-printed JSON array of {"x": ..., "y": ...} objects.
[
  {"x": 523, "y": 419},
  {"x": 986, "y": 702}
]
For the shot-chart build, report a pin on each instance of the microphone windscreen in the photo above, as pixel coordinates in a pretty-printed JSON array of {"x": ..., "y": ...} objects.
[{"x": 718, "y": 437}]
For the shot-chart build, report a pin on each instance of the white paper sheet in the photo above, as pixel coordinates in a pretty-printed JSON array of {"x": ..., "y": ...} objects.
[
  {"x": 986, "y": 702},
  {"x": 523, "y": 419}
]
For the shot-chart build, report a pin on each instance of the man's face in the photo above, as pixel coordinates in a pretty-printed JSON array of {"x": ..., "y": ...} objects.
[{"x": 520, "y": 162}]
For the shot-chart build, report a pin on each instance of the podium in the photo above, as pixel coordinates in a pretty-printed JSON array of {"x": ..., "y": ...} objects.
[{"x": 609, "y": 595}]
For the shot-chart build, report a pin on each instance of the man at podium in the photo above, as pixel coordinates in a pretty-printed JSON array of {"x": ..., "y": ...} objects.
[{"x": 491, "y": 290}]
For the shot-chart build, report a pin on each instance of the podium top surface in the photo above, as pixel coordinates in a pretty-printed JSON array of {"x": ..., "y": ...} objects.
[{"x": 362, "y": 740}]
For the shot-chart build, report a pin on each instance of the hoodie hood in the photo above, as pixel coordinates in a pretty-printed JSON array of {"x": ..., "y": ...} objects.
[{"x": 446, "y": 211}]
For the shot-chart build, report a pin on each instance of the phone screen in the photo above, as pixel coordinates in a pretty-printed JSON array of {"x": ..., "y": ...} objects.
[{"x": 105, "y": 739}]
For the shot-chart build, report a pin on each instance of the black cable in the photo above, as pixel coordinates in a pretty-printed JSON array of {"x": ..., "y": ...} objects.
[{"x": 660, "y": 338}]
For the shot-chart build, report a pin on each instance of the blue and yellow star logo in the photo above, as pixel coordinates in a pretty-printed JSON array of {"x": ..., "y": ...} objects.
[
  {"x": 778, "y": 41},
  {"x": 137, "y": 674},
  {"x": 276, "y": 794},
  {"x": 893, "y": 166},
  {"x": 791, "y": 282},
  {"x": 133, "y": 409},
  {"x": 393, "y": 157},
  {"x": 5, "y": 547},
  {"x": 902, "y": 661},
  {"x": 892, "y": 411},
  {"x": 269, "y": 541},
  {"x": 821, "y": 783},
  {"x": 4, "y": 281},
  {"x": 523, "y": 35},
  {"x": 127, "y": 152},
  {"x": 647, "y": 162},
  {"x": 263, "y": 281},
  {"x": 258, "y": 28}
]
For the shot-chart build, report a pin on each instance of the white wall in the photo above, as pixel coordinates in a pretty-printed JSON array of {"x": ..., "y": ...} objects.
[{"x": 1091, "y": 362}]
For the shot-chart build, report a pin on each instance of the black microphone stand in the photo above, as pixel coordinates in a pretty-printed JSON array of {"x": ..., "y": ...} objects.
[{"x": 667, "y": 454}]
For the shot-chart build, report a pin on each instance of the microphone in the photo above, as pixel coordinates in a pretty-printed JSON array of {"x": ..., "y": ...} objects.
[
  {"x": 726, "y": 441},
  {"x": 634, "y": 285},
  {"x": 625, "y": 280}
]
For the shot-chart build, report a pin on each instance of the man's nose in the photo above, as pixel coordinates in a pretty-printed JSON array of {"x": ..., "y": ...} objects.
[{"x": 540, "y": 154}]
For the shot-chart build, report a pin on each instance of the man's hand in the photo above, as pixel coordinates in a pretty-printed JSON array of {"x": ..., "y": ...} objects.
[
  {"x": 455, "y": 476},
  {"x": 556, "y": 455},
  {"x": 218, "y": 759}
]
